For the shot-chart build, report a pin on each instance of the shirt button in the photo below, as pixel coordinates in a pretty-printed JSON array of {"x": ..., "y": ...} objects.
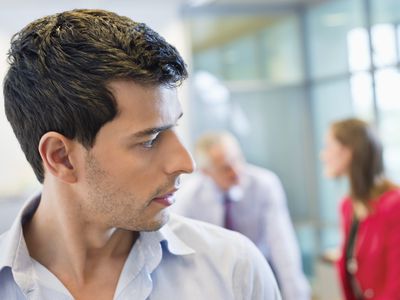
[{"x": 369, "y": 293}]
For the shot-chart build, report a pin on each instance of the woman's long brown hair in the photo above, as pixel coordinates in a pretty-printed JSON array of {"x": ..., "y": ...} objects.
[{"x": 366, "y": 174}]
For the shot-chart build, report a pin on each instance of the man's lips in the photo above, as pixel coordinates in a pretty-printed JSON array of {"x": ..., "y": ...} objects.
[{"x": 167, "y": 199}]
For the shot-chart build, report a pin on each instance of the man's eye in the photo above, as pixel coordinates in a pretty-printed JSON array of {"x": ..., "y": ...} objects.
[{"x": 150, "y": 143}]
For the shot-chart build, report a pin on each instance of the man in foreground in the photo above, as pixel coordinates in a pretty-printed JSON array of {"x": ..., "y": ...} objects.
[{"x": 91, "y": 97}]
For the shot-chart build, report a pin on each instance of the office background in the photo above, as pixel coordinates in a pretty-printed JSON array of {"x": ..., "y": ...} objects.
[{"x": 275, "y": 73}]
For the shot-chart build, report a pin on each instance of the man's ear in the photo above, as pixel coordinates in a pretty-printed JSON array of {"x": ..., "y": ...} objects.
[{"x": 55, "y": 151}]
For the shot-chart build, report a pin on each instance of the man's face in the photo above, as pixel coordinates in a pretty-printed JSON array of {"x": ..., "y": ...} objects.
[
  {"x": 225, "y": 165},
  {"x": 132, "y": 171}
]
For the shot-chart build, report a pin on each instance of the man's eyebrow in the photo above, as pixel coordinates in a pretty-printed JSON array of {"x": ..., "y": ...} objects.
[{"x": 154, "y": 130}]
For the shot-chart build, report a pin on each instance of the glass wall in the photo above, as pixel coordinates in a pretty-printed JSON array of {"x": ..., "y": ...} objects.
[
  {"x": 281, "y": 78},
  {"x": 258, "y": 93}
]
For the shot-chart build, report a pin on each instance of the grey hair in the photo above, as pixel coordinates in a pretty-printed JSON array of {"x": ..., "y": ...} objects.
[{"x": 210, "y": 139}]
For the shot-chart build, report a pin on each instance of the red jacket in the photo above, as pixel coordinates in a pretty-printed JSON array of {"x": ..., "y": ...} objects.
[{"x": 377, "y": 248}]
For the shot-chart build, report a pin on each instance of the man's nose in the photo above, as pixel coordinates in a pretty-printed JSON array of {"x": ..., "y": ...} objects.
[{"x": 179, "y": 159}]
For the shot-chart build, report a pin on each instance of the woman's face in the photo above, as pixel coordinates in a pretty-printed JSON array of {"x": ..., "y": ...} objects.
[{"x": 335, "y": 156}]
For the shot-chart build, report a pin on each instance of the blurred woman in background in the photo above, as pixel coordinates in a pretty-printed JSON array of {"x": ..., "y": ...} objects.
[{"x": 369, "y": 267}]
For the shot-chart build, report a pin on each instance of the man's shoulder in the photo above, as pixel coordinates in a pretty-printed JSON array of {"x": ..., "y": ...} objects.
[
  {"x": 262, "y": 178},
  {"x": 260, "y": 172},
  {"x": 8, "y": 287},
  {"x": 228, "y": 254},
  {"x": 5, "y": 270},
  {"x": 3, "y": 237},
  {"x": 4, "y": 247},
  {"x": 180, "y": 224},
  {"x": 208, "y": 238}
]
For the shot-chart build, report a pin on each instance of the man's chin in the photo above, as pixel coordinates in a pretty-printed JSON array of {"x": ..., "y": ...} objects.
[{"x": 158, "y": 223}]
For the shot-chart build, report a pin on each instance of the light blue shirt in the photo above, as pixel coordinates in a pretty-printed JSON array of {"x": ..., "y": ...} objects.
[
  {"x": 185, "y": 259},
  {"x": 259, "y": 212}
]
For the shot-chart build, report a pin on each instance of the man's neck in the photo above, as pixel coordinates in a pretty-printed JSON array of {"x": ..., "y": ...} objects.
[{"x": 73, "y": 249}]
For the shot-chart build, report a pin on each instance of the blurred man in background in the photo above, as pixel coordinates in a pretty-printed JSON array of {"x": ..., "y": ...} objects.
[{"x": 239, "y": 196}]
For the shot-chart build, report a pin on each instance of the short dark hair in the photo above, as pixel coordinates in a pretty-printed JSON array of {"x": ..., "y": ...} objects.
[{"x": 60, "y": 66}]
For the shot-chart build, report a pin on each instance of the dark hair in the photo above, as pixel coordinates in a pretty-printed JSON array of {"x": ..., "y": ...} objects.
[
  {"x": 366, "y": 169},
  {"x": 60, "y": 66}
]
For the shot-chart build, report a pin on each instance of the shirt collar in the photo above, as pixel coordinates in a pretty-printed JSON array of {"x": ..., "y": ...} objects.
[
  {"x": 147, "y": 253},
  {"x": 13, "y": 243},
  {"x": 171, "y": 242},
  {"x": 167, "y": 238},
  {"x": 14, "y": 248}
]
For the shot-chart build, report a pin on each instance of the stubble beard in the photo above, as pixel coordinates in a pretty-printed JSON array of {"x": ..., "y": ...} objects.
[{"x": 113, "y": 207}]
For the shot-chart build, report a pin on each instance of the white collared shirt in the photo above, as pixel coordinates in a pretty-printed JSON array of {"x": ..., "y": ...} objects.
[
  {"x": 185, "y": 259},
  {"x": 259, "y": 212}
]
